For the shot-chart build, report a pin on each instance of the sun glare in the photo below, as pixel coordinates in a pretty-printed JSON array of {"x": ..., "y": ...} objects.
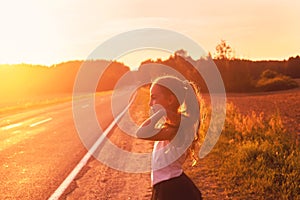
[
  {"x": 133, "y": 59},
  {"x": 29, "y": 33}
]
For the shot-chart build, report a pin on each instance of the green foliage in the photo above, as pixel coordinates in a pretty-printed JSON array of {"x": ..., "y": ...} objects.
[
  {"x": 259, "y": 157},
  {"x": 271, "y": 81},
  {"x": 238, "y": 75}
]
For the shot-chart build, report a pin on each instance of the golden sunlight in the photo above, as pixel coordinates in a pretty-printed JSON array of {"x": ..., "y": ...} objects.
[{"x": 133, "y": 59}]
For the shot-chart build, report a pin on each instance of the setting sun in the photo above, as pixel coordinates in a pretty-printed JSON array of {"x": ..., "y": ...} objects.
[{"x": 135, "y": 58}]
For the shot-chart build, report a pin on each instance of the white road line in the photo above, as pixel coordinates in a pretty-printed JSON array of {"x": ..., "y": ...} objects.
[
  {"x": 64, "y": 185},
  {"x": 11, "y": 126},
  {"x": 40, "y": 122}
]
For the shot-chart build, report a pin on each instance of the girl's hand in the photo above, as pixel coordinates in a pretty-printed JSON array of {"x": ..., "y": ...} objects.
[
  {"x": 157, "y": 107},
  {"x": 149, "y": 127}
]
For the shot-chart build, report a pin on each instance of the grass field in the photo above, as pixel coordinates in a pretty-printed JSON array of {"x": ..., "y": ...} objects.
[{"x": 257, "y": 155}]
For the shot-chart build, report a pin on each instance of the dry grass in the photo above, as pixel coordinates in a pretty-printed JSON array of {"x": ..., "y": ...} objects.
[{"x": 257, "y": 155}]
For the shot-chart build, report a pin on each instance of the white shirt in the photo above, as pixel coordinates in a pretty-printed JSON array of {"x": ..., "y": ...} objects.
[
  {"x": 169, "y": 156},
  {"x": 164, "y": 163}
]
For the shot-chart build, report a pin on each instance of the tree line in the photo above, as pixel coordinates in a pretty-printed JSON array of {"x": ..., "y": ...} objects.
[
  {"x": 238, "y": 75},
  {"x": 25, "y": 80}
]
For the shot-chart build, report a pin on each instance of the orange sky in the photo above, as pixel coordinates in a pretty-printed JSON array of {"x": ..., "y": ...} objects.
[{"x": 49, "y": 32}]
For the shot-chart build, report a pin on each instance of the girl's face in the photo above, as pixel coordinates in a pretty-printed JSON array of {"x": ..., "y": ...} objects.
[{"x": 158, "y": 95}]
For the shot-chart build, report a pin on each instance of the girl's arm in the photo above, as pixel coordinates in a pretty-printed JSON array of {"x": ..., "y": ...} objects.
[{"x": 149, "y": 131}]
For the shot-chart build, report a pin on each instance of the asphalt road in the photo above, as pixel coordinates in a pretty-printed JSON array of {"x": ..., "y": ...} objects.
[{"x": 40, "y": 147}]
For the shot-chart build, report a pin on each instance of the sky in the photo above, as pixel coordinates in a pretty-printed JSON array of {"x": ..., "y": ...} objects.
[{"x": 50, "y": 32}]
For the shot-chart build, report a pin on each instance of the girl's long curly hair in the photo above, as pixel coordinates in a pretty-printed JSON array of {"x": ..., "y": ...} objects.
[{"x": 189, "y": 98}]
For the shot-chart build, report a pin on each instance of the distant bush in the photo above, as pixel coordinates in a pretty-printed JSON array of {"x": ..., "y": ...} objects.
[
  {"x": 272, "y": 81},
  {"x": 269, "y": 74}
]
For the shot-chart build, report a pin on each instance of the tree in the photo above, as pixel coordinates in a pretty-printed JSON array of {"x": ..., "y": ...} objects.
[{"x": 224, "y": 51}]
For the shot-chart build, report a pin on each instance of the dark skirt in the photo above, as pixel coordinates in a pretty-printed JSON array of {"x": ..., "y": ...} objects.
[{"x": 178, "y": 188}]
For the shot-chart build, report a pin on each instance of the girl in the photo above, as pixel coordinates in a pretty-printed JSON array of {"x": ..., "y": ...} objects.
[{"x": 174, "y": 128}]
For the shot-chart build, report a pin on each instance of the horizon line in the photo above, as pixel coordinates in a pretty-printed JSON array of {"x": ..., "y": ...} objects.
[{"x": 80, "y": 60}]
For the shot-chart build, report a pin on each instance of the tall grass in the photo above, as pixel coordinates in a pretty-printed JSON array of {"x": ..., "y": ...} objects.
[{"x": 259, "y": 158}]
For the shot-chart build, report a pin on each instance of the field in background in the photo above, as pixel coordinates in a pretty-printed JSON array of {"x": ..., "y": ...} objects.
[{"x": 18, "y": 105}]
